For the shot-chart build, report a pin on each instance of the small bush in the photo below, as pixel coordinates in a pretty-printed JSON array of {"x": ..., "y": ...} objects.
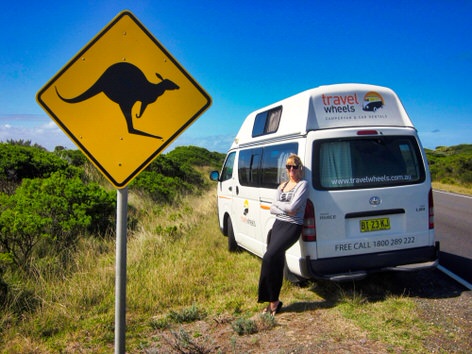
[
  {"x": 244, "y": 326},
  {"x": 182, "y": 342},
  {"x": 160, "y": 323},
  {"x": 187, "y": 315},
  {"x": 266, "y": 322}
]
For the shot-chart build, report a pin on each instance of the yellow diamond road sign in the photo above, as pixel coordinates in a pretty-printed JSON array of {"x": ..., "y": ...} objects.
[{"x": 122, "y": 99}]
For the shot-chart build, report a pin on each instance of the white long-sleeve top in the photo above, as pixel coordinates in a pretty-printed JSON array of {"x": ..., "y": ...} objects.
[{"x": 290, "y": 206}]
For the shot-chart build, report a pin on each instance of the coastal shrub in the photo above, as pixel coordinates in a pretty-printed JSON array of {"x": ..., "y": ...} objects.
[{"x": 48, "y": 215}]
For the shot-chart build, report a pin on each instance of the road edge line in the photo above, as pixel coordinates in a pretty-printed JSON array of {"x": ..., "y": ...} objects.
[{"x": 455, "y": 277}]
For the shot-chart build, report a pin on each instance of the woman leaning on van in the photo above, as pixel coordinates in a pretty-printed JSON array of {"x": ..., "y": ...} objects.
[{"x": 289, "y": 209}]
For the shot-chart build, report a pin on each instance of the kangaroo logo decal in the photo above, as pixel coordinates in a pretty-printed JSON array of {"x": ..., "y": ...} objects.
[{"x": 125, "y": 84}]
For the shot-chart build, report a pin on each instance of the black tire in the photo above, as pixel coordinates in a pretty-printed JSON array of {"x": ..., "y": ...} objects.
[{"x": 232, "y": 244}]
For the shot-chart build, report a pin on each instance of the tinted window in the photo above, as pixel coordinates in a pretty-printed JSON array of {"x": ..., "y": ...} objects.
[
  {"x": 367, "y": 162},
  {"x": 264, "y": 167},
  {"x": 267, "y": 122},
  {"x": 227, "y": 171},
  {"x": 274, "y": 159},
  {"x": 249, "y": 167}
]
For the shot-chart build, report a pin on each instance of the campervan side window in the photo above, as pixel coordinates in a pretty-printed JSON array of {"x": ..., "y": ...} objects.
[
  {"x": 267, "y": 122},
  {"x": 274, "y": 160},
  {"x": 265, "y": 167},
  {"x": 249, "y": 167},
  {"x": 367, "y": 162},
  {"x": 227, "y": 171}
]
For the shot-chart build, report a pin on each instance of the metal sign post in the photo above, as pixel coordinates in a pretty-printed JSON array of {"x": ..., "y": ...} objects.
[{"x": 120, "y": 278}]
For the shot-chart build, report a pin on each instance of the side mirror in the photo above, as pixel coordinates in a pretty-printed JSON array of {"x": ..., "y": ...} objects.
[{"x": 215, "y": 176}]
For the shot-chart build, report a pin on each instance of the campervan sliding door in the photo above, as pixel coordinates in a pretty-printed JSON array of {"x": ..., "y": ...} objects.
[{"x": 246, "y": 200}]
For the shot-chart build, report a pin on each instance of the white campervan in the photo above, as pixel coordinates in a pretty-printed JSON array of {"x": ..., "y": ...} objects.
[{"x": 370, "y": 204}]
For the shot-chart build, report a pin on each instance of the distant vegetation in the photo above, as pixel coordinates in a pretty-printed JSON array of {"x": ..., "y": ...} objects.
[
  {"x": 175, "y": 173},
  {"x": 451, "y": 165}
]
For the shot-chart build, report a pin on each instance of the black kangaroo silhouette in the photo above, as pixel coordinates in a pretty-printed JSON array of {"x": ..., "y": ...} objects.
[{"x": 125, "y": 84}]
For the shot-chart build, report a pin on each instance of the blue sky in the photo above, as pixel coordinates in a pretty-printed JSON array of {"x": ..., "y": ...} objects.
[{"x": 248, "y": 54}]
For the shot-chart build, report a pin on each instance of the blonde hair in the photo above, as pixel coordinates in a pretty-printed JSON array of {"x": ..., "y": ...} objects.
[{"x": 295, "y": 159}]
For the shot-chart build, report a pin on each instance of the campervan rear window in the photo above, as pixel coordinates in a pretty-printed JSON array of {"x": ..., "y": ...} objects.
[{"x": 367, "y": 162}]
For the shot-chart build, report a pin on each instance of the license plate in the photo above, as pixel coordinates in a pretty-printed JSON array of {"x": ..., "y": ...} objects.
[{"x": 375, "y": 224}]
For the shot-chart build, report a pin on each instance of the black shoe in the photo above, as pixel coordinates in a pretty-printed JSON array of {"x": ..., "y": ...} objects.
[
  {"x": 277, "y": 310},
  {"x": 268, "y": 310}
]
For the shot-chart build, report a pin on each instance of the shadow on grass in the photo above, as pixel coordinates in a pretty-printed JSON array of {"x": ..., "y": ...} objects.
[
  {"x": 430, "y": 284},
  {"x": 301, "y": 307}
]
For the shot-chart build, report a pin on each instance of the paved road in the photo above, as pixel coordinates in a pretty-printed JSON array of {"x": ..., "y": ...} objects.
[{"x": 453, "y": 228}]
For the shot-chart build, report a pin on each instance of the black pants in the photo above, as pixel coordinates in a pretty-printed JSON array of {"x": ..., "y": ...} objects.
[{"x": 284, "y": 235}]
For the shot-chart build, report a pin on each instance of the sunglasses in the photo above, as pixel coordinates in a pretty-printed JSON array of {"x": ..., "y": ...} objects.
[{"x": 295, "y": 167}]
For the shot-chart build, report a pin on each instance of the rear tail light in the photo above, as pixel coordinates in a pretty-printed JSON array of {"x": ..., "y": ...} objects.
[
  {"x": 309, "y": 227},
  {"x": 431, "y": 209}
]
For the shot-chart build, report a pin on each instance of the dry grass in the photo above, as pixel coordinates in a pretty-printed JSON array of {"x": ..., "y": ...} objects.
[
  {"x": 174, "y": 261},
  {"x": 452, "y": 188},
  {"x": 177, "y": 262}
]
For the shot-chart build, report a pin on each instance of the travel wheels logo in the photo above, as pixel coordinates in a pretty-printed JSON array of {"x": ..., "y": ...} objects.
[
  {"x": 349, "y": 103},
  {"x": 372, "y": 101}
]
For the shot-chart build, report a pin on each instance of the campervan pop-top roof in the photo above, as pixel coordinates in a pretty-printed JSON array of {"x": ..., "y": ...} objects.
[{"x": 324, "y": 107}]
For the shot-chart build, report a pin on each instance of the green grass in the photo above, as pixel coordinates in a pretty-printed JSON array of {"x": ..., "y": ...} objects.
[
  {"x": 393, "y": 321},
  {"x": 179, "y": 271},
  {"x": 176, "y": 259}
]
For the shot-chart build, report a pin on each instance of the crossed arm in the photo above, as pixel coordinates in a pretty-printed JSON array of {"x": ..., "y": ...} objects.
[{"x": 291, "y": 207}]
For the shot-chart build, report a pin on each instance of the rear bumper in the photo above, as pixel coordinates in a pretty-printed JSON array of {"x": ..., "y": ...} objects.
[{"x": 352, "y": 267}]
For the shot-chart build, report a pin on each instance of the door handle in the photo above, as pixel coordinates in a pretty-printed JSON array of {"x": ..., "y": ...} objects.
[{"x": 237, "y": 190}]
